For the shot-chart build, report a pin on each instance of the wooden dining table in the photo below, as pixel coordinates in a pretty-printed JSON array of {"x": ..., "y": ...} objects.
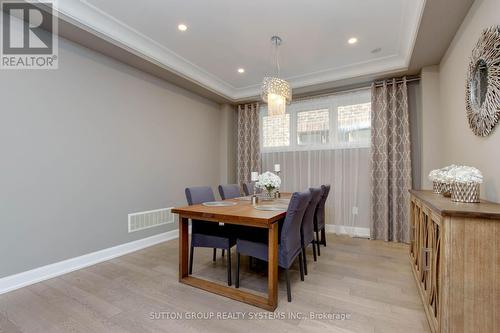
[{"x": 245, "y": 214}]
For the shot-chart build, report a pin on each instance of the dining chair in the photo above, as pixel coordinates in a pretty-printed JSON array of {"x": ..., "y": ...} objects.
[
  {"x": 289, "y": 247},
  {"x": 232, "y": 191},
  {"x": 307, "y": 227},
  {"x": 248, "y": 188},
  {"x": 319, "y": 218},
  {"x": 208, "y": 234},
  {"x": 229, "y": 191}
]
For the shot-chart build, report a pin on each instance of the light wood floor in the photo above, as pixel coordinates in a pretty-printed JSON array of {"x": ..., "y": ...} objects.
[{"x": 368, "y": 280}]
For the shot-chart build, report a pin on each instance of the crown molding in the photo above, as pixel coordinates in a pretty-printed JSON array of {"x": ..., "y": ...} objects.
[
  {"x": 94, "y": 19},
  {"x": 101, "y": 24}
]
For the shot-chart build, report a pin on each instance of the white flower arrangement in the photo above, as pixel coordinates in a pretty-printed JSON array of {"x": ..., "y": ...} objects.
[
  {"x": 456, "y": 173},
  {"x": 268, "y": 181}
]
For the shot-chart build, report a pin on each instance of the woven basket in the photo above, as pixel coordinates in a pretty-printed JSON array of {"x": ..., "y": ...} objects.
[
  {"x": 436, "y": 187},
  {"x": 446, "y": 189},
  {"x": 465, "y": 192}
]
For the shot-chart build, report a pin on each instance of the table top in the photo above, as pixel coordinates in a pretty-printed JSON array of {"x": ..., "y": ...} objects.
[
  {"x": 446, "y": 207},
  {"x": 243, "y": 213}
]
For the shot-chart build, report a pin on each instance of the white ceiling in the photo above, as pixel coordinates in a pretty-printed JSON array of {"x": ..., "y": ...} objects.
[{"x": 224, "y": 35}]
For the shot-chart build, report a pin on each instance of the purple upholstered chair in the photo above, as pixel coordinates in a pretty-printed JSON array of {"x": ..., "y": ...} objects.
[
  {"x": 289, "y": 247},
  {"x": 319, "y": 218},
  {"x": 248, "y": 188},
  {"x": 230, "y": 191},
  {"x": 208, "y": 234},
  {"x": 307, "y": 228}
]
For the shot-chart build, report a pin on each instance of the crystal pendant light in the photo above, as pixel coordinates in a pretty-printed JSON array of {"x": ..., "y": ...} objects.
[{"x": 275, "y": 91}]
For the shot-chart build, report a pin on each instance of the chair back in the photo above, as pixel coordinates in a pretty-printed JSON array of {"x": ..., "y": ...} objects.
[
  {"x": 307, "y": 229},
  {"x": 319, "y": 216},
  {"x": 199, "y": 194},
  {"x": 229, "y": 191},
  {"x": 290, "y": 233},
  {"x": 248, "y": 188}
]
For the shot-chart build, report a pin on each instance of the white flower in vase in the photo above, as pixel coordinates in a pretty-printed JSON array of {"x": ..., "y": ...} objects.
[{"x": 268, "y": 181}]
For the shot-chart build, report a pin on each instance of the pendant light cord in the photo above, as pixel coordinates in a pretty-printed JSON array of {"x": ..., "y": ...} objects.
[{"x": 277, "y": 59}]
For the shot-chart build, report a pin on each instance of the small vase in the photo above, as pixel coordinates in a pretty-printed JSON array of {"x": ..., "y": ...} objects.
[{"x": 270, "y": 193}]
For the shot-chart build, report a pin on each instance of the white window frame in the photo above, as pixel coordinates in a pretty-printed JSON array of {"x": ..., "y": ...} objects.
[{"x": 331, "y": 103}]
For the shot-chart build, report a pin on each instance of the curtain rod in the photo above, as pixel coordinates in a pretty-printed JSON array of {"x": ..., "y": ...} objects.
[{"x": 400, "y": 80}]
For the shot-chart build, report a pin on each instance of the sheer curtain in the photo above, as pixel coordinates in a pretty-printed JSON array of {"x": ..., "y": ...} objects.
[{"x": 325, "y": 140}]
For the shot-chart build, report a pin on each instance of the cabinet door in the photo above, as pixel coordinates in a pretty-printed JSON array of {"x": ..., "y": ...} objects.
[
  {"x": 414, "y": 232},
  {"x": 433, "y": 297},
  {"x": 425, "y": 249}
]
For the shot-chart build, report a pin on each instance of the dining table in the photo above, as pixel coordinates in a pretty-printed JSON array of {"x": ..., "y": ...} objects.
[{"x": 265, "y": 214}]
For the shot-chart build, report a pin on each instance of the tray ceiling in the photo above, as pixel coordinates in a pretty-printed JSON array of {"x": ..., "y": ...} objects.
[{"x": 224, "y": 35}]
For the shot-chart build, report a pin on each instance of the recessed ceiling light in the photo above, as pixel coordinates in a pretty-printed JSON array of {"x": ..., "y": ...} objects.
[
  {"x": 182, "y": 27},
  {"x": 352, "y": 40},
  {"x": 241, "y": 70}
]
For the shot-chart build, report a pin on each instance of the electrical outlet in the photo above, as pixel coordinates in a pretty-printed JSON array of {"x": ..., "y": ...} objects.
[{"x": 354, "y": 210}]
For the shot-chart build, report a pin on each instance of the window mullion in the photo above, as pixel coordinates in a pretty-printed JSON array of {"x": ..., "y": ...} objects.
[
  {"x": 293, "y": 129},
  {"x": 334, "y": 125}
]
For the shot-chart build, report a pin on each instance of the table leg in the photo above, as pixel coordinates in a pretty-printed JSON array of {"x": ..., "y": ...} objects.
[
  {"x": 183, "y": 247},
  {"x": 272, "y": 277}
]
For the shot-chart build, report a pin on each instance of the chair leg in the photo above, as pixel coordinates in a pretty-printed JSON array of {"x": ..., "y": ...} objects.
[
  {"x": 314, "y": 251},
  {"x": 228, "y": 267},
  {"x": 323, "y": 236},
  {"x": 215, "y": 254},
  {"x": 288, "y": 288},
  {"x": 191, "y": 260},
  {"x": 301, "y": 267},
  {"x": 304, "y": 260},
  {"x": 237, "y": 282},
  {"x": 223, "y": 253},
  {"x": 317, "y": 242}
]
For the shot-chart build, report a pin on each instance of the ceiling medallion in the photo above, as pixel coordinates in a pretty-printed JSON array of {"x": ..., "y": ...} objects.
[
  {"x": 276, "y": 92},
  {"x": 482, "y": 98}
]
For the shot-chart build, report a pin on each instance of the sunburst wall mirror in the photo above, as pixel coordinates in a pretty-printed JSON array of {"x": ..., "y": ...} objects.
[{"x": 483, "y": 83}]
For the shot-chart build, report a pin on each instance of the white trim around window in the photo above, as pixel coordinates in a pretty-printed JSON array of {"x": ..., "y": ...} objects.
[{"x": 356, "y": 124}]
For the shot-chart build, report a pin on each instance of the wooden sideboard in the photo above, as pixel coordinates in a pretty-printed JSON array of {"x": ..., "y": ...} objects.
[{"x": 455, "y": 258}]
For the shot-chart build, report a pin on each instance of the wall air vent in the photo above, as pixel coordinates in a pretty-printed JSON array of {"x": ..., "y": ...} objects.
[{"x": 149, "y": 219}]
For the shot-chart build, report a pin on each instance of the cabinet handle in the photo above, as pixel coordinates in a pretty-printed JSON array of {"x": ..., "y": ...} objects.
[{"x": 426, "y": 250}]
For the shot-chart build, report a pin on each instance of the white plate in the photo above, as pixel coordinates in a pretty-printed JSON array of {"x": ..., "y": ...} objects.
[
  {"x": 271, "y": 208},
  {"x": 219, "y": 203}
]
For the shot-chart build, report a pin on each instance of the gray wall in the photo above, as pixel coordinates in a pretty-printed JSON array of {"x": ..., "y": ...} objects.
[
  {"x": 415, "y": 119},
  {"x": 84, "y": 145},
  {"x": 431, "y": 124},
  {"x": 228, "y": 144},
  {"x": 458, "y": 142}
]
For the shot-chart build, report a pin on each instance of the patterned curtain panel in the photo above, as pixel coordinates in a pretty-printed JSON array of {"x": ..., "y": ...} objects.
[
  {"x": 391, "y": 162},
  {"x": 248, "y": 141}
]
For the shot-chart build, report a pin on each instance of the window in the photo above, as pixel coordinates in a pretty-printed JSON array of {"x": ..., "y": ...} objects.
[
  {"x": 276, "y": 131},
  {"x": 313, "y": 127},
  {"x": 330, "y": 122},
  {"x": 354, "y": 123}
]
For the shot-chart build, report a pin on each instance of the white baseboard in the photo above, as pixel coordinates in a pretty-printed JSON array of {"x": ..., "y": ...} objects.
[
  {"x": 348, "y": 230},
  {"x": 39, "y": 274}
]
